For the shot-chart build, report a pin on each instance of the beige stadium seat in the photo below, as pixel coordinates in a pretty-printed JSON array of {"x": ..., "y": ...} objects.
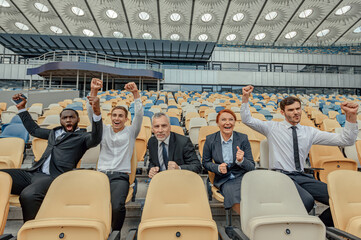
[
  {"x": 11, "y": 152},
  {"x": 345, "y": 200},
  {"x": 329, "y": 158},
  {"x": 203, "y": 133},
  {"x": 146, "y": 123},
  {"x": 3, "y": 106},
  {"x": 188, "y": 117},
  {"x": 212, "y": 119},
  {"x": 6, "y": 116},
  {"x": 177, "y": 211},
  {"x": 272, "y": 209},
  {"x": 329, "y": 125},
  {"x": 141, "y": 144},
  {"x": 132, "y": 181},
  {"x": 5, "y": 189},
  {"x": 264, "y": 155},
  {"x": 90, "y": 158},
  {"x": 194, "y": 125},
  {"x": 177, "y": 129},
  {"x": 73, "y": 209}
]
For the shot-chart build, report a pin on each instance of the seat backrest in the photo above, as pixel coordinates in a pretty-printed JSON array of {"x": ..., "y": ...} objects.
[
  {"x": 358, "y": 149},
  {"x": 141, "y": 143},
  {"x": 264, "y": 155},
  {"x": 177, "y": 129},
  {"x": 133, "y": 166},
  {"x": 75, "y": 194},
  {"x": 11, "y": 152},
  {"x": 16, "y": 130},
  {"x": 345, "y": 198},
  {"x": 179, "y": 200},
  {"x": 267, "y": 193},
  {"x": 5, "y": 189},
  {"x": 322, "y": 152},
  {"x": 51, "y": 119}
]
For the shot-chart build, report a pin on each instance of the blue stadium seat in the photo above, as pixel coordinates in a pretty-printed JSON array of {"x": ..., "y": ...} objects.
[
  {"x": 148, "y": 114},
  {"x": 172, "y": 106},
  {"x": 219, "y": 108},
  {"x": 341, "y": 119},
  {"x": 266, "y": 113},
  {"x": 15, "y": 130},
  {"x": 15, "y": 120},
  {"x": 174, "y": 121}
]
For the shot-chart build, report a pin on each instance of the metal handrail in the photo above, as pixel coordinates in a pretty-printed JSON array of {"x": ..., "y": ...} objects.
[{"x": 94, "y": 57}]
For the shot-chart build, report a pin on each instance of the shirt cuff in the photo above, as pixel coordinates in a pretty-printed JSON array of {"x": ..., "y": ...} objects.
[
  {"x": 22, "y": 110},
  {"x": 97, "y": 118},
  {"x": 240, "y": 163},
  {"x": 348, "y": 125}
]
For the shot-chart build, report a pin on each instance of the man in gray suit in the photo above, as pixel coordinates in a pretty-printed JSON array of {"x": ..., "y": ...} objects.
[{"x": 66, "y": 146}]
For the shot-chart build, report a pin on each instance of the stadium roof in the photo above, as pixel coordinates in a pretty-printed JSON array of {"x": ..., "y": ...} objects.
[{"x": 238, "y": 22}]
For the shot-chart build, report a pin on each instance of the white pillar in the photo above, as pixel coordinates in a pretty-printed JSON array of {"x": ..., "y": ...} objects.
[
  {"x": 77, "y": 80},
  {"x": 84, "y": 84},
  {"x": 31, "y": 81},
  {"x": 50, "y": 78},
  {"x": 158, "y": 84}
]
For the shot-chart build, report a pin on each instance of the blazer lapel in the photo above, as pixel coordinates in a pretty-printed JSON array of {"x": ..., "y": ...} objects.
[
  {"x": 154, "y": 143},
  {"x": 171, "y": 147},
  {"x": 218, "y": 147}
]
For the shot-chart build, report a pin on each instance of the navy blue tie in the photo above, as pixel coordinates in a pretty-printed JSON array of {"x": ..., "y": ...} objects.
[{"x": 165, "y": 155}]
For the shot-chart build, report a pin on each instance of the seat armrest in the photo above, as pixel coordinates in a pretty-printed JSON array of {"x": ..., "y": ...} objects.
[
  {"x": 114, "y": 235},
  {"x": 7, "y": 237},
  {"x": 336, "y": 234},
  {"x": 131, "y": 235}
]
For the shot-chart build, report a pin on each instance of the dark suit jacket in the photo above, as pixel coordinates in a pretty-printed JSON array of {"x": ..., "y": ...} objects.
[
  {"x": 65, "y": 153},
  {"x": 180, "y": 150},
  {"x": 213, "y": 151}
]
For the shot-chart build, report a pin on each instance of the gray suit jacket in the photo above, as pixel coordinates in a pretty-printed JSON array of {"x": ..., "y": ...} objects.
[{"x": 213, "y": 157}]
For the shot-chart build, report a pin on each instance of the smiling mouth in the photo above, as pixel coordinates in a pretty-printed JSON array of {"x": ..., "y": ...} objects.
[
  {"x": 69, "y": 127},
  {"x": 227, "y": 127}
]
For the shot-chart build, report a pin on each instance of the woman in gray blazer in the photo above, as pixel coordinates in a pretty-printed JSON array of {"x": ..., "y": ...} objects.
[{"x": 228, "y": 154}]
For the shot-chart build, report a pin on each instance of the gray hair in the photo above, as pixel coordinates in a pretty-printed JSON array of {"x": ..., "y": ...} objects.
[{"x": 159, "y": 115}]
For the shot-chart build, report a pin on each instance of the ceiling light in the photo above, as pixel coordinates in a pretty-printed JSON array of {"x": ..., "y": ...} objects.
[
  {"x": 88, "y": 32},
  {"x": 260, "y": 36},
  {"x": 111, "y": 13},
  {"x": 118, "y": 34},
  {"x": 175, "y": 37},
  {"x": 22, "y": 26},
  {"x": 270, "y": 16},
  {"x": 323, "y": 32},
  {"x": 238, "y": 17},
  {"x": 357, "y": 30},
  {"x": 175, "y": 17},
  {"x": 41, "y": 7},
  {"x": 231, "y": 37},
  {"x": 147, "y": 36},
  {"x": 144, "y": 16},
  {"x": 343, "y": 10},
  {"x": 206, "y": 17},
  {"x": 77, "y": 11},
  {"x": 291, "y": 35},
  {"x": 4, "y": 3},
  {"x": 306, "y": 13},
  {"x": 203, "y": 37},
  {"x": 56, "y": 29}
]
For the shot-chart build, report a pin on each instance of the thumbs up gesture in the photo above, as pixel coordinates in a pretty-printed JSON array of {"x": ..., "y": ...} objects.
[{"x": 239, "y": 155}]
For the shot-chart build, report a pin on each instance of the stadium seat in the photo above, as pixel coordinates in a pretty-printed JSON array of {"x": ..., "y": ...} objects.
[
  {"x": 212, "y": 118},
  {"x": 141, "y": 144},
  {"x": 73, "y": 209},
  {"x": 271, "y": 209},
  {"x": 345, "y": 200},
  {"x": 177, "y": 212},
  {"x": 15, "y": 120},
  {"x": 329, "y": 158},
  {"x": 203, "y": 133},
  {"x": 133, "y": 184},
  {"x": 174, "y": 121},
  {"x": 194, "y": 125},
  {"x": 11, "y": 152},
  {"x": 49, "y": 120},
  {"x": 188, "y": 117},
  {"x": 177, "y": 129},
  {"x": 329, "y": 125},
  {"x": 5, "y": 189},
  {"x": 341, "y": 119},
  {"x": 264, "y": 155},
  {"x": 15, "y": 130},
  {"x": 90, "y": 158},
  {"x": 6, "y": 116},
  {"x": 146, "y": 123}
]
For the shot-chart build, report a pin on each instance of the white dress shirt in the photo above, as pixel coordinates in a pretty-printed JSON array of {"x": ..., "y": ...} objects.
[
  {"x": 116, "y": 149},
  {"x": 160, "y": 153},
  {"x": 280, "y": 140}
]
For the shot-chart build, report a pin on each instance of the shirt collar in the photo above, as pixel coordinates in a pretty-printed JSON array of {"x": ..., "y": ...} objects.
[
  {"x": 166, "y": 141},
  {"x": 229, "y": 140},
  {"x": 289, "y": 125}
]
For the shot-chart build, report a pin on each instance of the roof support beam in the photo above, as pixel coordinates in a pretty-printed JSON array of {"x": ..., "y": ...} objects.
[
  {"x": 343, "y": 34},
  {"x": 27, "y": 19},
  {"x": 314, "y": 30},
  {"x": 159, "y": 23},
  {"x": 254, "y": 24},
  {"x": 224, "y": 19},
  {"x": 95, "y": 21},
  {"x": 62, "y": 21},
  {"x": 191, "y": 22},
  {"x": 126, "y": 18}
]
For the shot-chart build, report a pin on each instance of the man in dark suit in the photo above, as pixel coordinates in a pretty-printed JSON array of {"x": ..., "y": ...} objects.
[
  {"x": 168, "y": 150},
  {"x": 66, "y": 146}
]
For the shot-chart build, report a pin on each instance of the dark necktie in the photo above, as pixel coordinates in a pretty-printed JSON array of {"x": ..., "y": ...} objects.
[
  {"x": 165, "y": 155},
  {"x": 295, "y": 149}
]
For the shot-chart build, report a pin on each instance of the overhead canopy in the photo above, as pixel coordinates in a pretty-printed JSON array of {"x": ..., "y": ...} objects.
[{"x": 34, "y": 45}]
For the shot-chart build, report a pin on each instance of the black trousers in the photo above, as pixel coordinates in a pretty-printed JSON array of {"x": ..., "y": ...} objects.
[
  {"x": 32, "y": 188},
  {"x": 119, "y": 188},
  {"x": 310, "y": 190}
]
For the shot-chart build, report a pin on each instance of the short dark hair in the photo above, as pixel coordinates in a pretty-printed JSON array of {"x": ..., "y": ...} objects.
[
  {"x": 65, "y": 109},
  {"x": 288, "y": 101},
  {"x": 121, "y": 108}
]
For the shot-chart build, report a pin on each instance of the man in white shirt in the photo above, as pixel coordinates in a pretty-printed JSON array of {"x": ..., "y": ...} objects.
[
  {"x": 289, "y": 144},
  {"x": 116, "y": 149}
]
